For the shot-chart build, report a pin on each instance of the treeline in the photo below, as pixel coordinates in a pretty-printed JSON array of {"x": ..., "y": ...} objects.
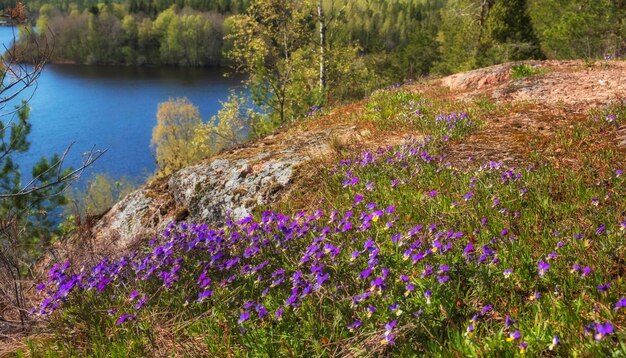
[
  {"x": 148, "y": 7},
  {"x": 398, "y": 38},
  {"x": 476, "y": 33},
  {"x": 110, "y": 35}
]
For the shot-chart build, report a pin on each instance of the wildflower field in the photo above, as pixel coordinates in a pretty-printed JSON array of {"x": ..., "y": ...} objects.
[{"x": 408, "y": 255}]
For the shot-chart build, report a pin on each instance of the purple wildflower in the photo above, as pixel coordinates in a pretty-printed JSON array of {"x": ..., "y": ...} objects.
[
  {"x": 388, "y": 339},
  {"x": 395, "y": 308},
  {"x": 621, "y": 303},
  {"x": 244, "y": 316},
  {"x": 514, "y": 336},
  {"x": 358, "y": 199},
  {"x": 603, "y": 330},
  {"x": 408, "y": 289},
  {"x": 555, "y": 342},
  {"x": 261, "y": 310},
  {"x": 543, "y": 268},
  {"x": 365, "y": 273},
  {"x": 522, "y": 347},
  {"x": 125, "y": 318},
  {"x": 279, "y": 313},
  {"x": 356, "y": 324},
  {"x": 142, "y": 301},
  {"x": 585, "y": 271},
  {"x": 370, "y": 311},
  {"x": 508, "y": 322},
  {"x": 204, "y": 295}
]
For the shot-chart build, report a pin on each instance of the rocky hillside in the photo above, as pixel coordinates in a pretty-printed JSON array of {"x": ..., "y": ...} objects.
[
  {"x": 268, "y": 170},
  {"x": 480, "y": 214}
]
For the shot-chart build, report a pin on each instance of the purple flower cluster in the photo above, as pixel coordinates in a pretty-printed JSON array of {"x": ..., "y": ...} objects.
[{"x": 369, "y": 255}]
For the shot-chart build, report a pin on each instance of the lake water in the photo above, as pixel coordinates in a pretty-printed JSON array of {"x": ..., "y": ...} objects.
[{"x": 111, "y": 108}]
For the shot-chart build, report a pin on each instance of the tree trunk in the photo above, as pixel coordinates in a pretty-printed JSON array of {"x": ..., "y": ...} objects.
[
  {"x": 485, "y": 6},
  {"x": 322, "y": 23}
]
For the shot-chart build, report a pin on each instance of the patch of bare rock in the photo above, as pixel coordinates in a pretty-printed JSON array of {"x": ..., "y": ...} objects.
[{"x": 236, "y": 182}]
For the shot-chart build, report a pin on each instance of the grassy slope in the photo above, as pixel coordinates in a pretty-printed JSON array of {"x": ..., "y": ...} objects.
[{"x": 434, "y": 236}]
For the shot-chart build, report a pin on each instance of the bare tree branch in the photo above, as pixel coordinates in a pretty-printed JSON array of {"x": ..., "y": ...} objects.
[
  {"x": 68, "y": 178},
  {"x": 20, "y": 68}
]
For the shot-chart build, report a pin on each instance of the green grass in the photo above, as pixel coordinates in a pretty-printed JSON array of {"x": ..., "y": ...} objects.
[
  {"x": 522, "y": 71},
  {"x": 522, "y": 214}
]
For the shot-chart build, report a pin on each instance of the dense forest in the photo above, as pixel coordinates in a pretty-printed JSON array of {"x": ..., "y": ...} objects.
[{"x": 398, "y": 38}]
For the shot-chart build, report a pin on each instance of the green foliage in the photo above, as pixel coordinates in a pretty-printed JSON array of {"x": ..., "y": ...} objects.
[
  {"x": 399, "y": 35},
  {"x": 140, "y": 7},
  {"x": 390, "y": 108},
  {"x": 396, "y": 39},
  {"x": 579, "y": 28},
  {"x": 481, "y": 33},
  {"x": 283, "y": 76},
  {"x": 521, "y": 71},
  {"x": 100, "y": 194},
  {"x": 349, "y": 75},
  {"x": 231, "y": 126},
  {"x": 32, "y": 211},
  {"x": 271, "y": 43},
  {"x": 510, "y": 35},
  {"x": 172, "y": 137},
  {"x": 458, "y": 37},
  {"x": 111, "y": 35}
]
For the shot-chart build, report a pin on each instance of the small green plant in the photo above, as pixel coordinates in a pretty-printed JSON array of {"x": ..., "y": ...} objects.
[
  {"x": 521, "y": 71},
  {"x": 400, "y": 110},
  {"x": 612, "y": 114},
  {"x": 590, "y": 62},
  {"x": 390, "y": 108}
]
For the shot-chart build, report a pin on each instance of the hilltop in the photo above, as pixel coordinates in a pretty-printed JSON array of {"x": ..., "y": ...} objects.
[
  {"x": 270, "y": 170},
  {"x": 480, "y": 213}
]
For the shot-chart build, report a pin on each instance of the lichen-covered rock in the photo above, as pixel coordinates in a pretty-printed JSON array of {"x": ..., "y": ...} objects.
[
  {"x": 238, "y": 186},
  {"x": 235, "y": 182},
  {"x": 132, "y": 218},
  {"x": 478, "y": 79}
]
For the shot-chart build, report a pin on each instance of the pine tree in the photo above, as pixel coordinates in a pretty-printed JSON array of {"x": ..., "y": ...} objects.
[{"x": 509, "y": 34}]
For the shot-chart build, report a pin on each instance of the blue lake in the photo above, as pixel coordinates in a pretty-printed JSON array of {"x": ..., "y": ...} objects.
[{"x": 111, "y": 108}]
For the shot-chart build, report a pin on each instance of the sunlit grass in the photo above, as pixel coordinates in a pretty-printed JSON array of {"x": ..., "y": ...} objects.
[{"x": 410, "y": 256}]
